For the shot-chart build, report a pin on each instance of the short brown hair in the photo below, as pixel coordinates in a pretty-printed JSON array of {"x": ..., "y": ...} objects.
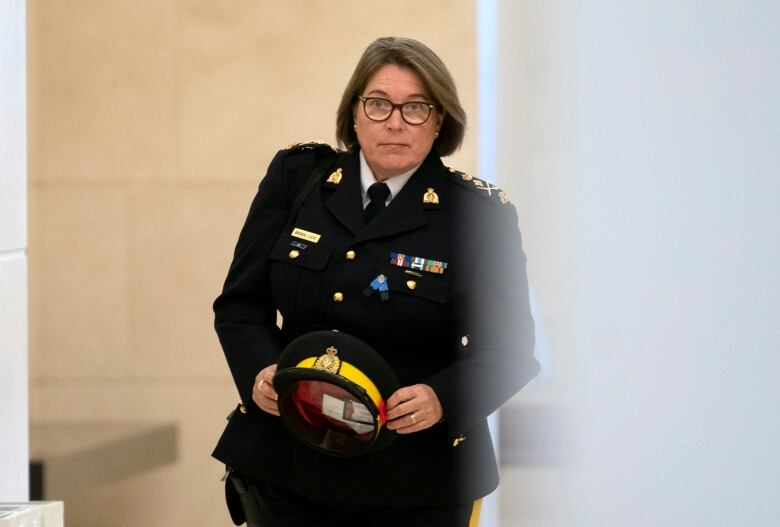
[{"x": 429, "y": 68}]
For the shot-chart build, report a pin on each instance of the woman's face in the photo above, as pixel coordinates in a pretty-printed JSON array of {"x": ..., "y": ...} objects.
[{"x": 394, "y": 146}]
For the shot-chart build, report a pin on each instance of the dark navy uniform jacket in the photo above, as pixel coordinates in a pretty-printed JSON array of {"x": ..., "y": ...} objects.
[{"x": 467, "y": 331}]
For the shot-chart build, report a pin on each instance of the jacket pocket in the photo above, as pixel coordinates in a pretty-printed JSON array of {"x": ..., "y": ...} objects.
[
  {"x": 297, "y": 276},
  {"x": 426, "y": 286},
  {"x": 418, "y": 302},
  {"x": 313, "y": 257}
]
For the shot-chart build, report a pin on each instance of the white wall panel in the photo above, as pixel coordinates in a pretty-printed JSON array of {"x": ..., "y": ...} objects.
[
  {"x": 677, "y": 244},
  {"x": 640, "y": 141},
  {"x": 13, "y": 154},
  {"x": 13, "y": 379},
  {"x": 13, "y": 261}
]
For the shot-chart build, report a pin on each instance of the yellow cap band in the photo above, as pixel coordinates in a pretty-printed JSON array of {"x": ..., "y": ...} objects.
[{"x": 349, "y": 372}]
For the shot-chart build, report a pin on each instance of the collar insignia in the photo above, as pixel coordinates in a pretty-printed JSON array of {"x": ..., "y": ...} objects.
[
  {"x": 431, "y": 197},
  {"x": 335, "y": 177}
]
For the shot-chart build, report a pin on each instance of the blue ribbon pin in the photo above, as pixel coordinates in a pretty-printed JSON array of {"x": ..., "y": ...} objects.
[{"x": 378, "y": 284}]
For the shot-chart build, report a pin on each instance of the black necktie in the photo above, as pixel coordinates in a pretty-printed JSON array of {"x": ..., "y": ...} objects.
[{"x": 378, "y": 193}]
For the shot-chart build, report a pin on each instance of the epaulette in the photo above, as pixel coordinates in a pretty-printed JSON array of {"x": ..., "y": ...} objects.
[
  {"x": 311, "y": 145},
  {"x": 488, "y": 189}
]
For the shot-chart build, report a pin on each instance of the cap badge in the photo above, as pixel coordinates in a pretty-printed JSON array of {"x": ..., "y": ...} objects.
[
  {"x": 431, "y": 196},
  {"x": 329, "y": 361}
]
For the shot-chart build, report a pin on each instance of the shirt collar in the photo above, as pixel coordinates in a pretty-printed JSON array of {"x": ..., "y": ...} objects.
[{"x": 395, "y": 183}]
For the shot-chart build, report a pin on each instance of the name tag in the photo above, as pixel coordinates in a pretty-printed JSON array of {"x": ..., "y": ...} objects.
[{"x": 306, "y": 235}]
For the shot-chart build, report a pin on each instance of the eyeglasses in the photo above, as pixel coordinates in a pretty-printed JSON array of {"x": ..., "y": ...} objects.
[{"x": 413, "y": 112}]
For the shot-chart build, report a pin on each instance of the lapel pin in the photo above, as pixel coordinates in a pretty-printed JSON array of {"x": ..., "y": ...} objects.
[{"x": 378, "y": 284}]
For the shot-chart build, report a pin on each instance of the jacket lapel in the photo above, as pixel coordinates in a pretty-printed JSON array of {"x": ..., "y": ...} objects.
[
  {"x": 345, "y": 203},
  {"x": 406, "y": 211}
]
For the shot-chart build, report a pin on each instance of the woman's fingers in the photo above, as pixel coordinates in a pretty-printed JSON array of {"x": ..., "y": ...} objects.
[
  {"x": 263, "y": 393},
  {"x": 410, "y": 409},
  {"x": 413, "y": 408}
]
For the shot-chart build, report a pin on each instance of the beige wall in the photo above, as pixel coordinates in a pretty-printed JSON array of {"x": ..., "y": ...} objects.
[{"x": 150, "y": 124}]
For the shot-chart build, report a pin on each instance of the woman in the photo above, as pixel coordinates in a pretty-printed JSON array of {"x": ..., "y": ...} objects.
[{"x": 453, "y": 321}]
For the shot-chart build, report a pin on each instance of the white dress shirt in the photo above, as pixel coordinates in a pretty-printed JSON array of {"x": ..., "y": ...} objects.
[{"x": 395, "y": 183}]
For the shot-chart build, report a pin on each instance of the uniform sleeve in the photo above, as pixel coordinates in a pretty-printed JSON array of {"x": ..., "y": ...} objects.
[
  {"x": 245, "y": 316},
  {"x": 498, "y": 360}
]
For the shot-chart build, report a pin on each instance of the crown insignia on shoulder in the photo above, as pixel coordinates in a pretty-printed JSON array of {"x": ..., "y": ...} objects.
[{"x": 486, "y": 188}]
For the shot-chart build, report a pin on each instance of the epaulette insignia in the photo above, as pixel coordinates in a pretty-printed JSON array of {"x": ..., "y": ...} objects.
[
  {"x": 489, "y": 189},
  {"x": 463, "y": 175},
  {"x": 309, "y": 145}
]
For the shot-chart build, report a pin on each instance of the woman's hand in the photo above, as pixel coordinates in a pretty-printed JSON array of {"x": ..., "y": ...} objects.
[
  {"x": 413, "y": 408},
  {"x": 263, "y": 393}
]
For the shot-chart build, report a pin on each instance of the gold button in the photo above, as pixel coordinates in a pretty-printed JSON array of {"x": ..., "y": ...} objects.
[
  {"x": 338, "y": 297},
  {"x": 242, "y": 408},
  {"x": 458, "y": 440},
  {"x": 411, "y": 284},
  {"x": 293, "y": 254},
  {"x": 350, "y": 255}
]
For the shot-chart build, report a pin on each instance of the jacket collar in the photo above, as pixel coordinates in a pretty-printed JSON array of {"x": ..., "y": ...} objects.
[{"x": 404, "y": 213}]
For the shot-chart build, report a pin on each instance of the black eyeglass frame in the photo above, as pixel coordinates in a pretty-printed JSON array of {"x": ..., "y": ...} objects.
[{"x": 400, "y": 108}]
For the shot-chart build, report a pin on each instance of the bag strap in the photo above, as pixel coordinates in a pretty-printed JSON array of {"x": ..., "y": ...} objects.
[{"x": 314, "y": 178}]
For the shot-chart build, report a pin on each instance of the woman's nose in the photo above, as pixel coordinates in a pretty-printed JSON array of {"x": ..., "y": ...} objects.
[{"x": 396, "y": 120}]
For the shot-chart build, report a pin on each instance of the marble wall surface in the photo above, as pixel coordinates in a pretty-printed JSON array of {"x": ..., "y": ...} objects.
[{"x": 150, "y": 126}]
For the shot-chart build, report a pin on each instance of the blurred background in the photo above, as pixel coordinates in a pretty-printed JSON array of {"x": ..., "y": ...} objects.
[{"x": 638, "y": 141}]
